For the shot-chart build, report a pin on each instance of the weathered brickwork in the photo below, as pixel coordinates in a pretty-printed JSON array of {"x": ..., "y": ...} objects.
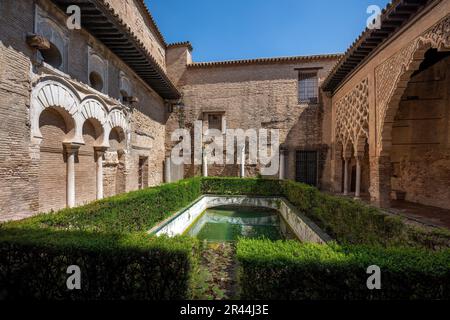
[
  {"x": 251, "y": 95},
  {"x": 81, "y": 124},
  {"x": 136, "y": 15},
  {"x": 420, "y": 139},
  {"x": 34, "y": 160},
  {"x": 18, "y": 170}
]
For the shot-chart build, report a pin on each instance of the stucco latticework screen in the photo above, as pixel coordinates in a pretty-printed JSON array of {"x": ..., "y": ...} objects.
[
  {"x": 393, "y": 75},
  {"x": 352, "y": 116}
]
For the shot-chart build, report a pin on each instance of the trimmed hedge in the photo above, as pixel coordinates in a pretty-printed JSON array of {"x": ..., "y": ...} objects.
[
  {"x": 292, "y": 271},
  {"x": 353, "y": 222},
  {"x": 238, "y": 186},
  {"x": 345, "y": 220},
  {"x": 119, "y": 261},
  {"x": 108, "y": 241},
  {"x": 33, "y": 265},
  {"x": 131, "y": 212}
]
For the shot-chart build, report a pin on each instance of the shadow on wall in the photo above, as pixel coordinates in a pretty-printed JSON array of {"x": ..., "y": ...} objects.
[
  {"x": 239, "y": 73},
  {"x": 306, "y": 135}
]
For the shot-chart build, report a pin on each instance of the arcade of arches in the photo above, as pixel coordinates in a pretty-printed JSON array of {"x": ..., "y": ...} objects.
[
  {"x": 406, "y": 162},
  {"x": 81, "y": 146}
]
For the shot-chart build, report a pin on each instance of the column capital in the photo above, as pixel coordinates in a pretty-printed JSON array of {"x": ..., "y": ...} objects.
[
  {"x": 71, "y": 147},
  {"x": 100, "y": 150},
  {"x": 359, "y": 156}
]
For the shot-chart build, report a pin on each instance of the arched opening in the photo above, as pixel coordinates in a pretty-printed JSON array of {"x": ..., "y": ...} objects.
[
  {"x": 114, "y": 165},
  {"x": 55, "y": 125},
  {"x": 86, "y": 183},
  {"x": 96, "y": 81},
  {"x": 420, "y": 151},
  {"x": 52, "y": 56}
]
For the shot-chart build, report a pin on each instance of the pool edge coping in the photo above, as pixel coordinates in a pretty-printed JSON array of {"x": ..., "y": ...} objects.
[{"x": 311, "y": 224}]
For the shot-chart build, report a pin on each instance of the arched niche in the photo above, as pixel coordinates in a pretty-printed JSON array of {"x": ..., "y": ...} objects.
[{"x": 55, "y": 125}]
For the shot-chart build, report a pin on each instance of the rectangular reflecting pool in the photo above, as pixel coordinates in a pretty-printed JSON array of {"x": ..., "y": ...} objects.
[{"x": 228, "y": 223}]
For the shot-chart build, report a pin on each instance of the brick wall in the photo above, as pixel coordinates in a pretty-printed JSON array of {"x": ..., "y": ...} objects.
[
  {"x": 52, "y": 164},
  {"x": 24, "y": 186},
  {"x": 134, "y": 14},
  {"x": 420, "y": 138},
  {"x": 254, "y": 95},
  {"x": 18, "y": 170},
  {"x": 85, "y": 167}
]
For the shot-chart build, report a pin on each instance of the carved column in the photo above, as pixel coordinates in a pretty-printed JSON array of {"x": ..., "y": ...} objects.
[
  {"x": 205, "y": 164},
  {"x": 167, "y": 170},
  {"x": 243, "y": 162},
  {"x": 358, "y": 176},
  {"x": 99, "y": 153},
  {"x": 71, "y": 150},
  {"x": 346, "y": 164}
]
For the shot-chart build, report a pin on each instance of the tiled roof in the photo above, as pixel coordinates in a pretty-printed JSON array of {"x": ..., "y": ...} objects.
[
  {"x": 104, "y": 23},
  {"x": 265, "y": 60},
  {"x": 393, "y": 18}
]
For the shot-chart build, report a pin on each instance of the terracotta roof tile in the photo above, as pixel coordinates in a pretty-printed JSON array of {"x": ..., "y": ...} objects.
[
  {"x": 396, "y": 14},
  {"x": 265, "y": 60}
]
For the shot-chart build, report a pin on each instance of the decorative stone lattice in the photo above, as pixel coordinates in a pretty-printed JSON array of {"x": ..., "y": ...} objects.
[
  {"x": 352, "y": 115},
  {"x": 399, "y": 68}
]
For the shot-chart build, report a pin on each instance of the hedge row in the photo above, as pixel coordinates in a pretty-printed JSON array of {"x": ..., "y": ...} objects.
[
  {"x": 108, "y": 241},
  {"x": 33, "y": 265},
  {"x": 353, "y": 222},
  {"x": 293, "y": 271},
  {"x": 346, "y": 220},
  {"x": 238, "y": 186},
  {"x": 131, "y": 212}
]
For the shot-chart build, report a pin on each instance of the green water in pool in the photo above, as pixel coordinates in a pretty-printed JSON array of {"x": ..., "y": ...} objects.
[{"x": 228, "y": 223}]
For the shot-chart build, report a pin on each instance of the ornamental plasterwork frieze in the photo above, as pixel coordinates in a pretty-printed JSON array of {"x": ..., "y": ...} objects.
[
  {"x": 352, "y": 115},
  {"x": 400, "y": 66}
]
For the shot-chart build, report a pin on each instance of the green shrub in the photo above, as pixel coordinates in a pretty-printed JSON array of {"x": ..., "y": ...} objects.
[
  {"x": 119, "y": 261},
  {"x": 293, "y": 271},
  {"x": 239, "y": 186},
  {"x": 107, "y": 240},
  {"x": 33, "y": 265},
  {"x": 130, "y": 212},
  {"x": 353, "y": 222}
]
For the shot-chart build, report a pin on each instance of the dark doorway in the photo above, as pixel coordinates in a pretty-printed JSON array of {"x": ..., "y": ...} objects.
[
  {"x": 353, "y": 180},
  {"x": 306, "y": 167}
]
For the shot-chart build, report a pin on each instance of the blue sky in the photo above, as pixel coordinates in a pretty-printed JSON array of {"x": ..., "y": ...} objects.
[{"x": 245, "y": 29}]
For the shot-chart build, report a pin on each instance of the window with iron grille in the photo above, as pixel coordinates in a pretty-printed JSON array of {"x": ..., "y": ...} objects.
[
  {"x": 306, "y": 167},
  {"x": 308, "y": 87},
  {"x": 215, "y": 121}
]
